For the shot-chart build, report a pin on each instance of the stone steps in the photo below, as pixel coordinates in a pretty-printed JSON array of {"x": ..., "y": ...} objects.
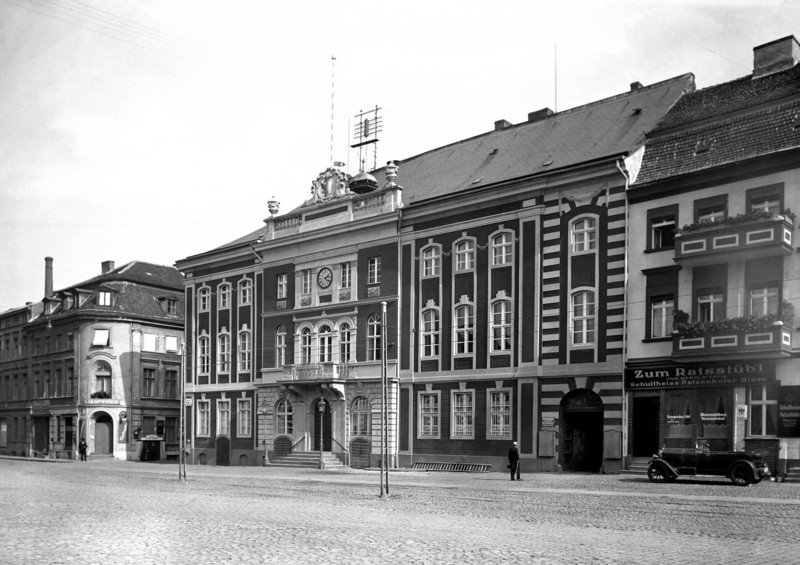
[
  {"x": 792, "y": 475},
  {"x": 638, "y": 466},
  {"x": 308, "y": 460}
]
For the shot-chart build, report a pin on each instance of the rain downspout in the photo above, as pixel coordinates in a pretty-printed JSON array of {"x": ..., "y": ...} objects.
[{"x": 625, "y": 317}]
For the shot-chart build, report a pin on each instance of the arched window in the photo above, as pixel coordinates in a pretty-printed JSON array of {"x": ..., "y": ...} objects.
[
  {"x": 430, "y": 331},
  {"x": 224, "y": 353},
  {"x": 464, "y": 329},
  {"x": 224, "y": 296},
  {"x": 501, "y": 325},
  {"x": 280, "y": 346},
  {"x": 245, "y": 350},
  {"x": 431, "y": 257},
  {"x": 203, "y": 352},
  {"x": 345, "y": 342},
  {"x": 102, "y": 378},
  {"x": 305, "y": 346},
  {"x": 373, "y": 338},
  {"x": 203, "y": 299},
  {"x": 502, "y": 248},
  {"x": 325, "y": 344},
  {"x": 359, "y": 417},
  {"x": 465, "y": 255},
  {"x": 583, "y": 235},
  {"x": 583, "y": 317},
  {"x": 284, "y": 417},
  {"x": 245, "y": 291}
]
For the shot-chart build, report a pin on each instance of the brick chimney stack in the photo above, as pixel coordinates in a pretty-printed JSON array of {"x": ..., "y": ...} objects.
[
  {"x": 775, "y": 56},
  {"x": 106, "y": 267},
  {"x": 48, "y": 277}
]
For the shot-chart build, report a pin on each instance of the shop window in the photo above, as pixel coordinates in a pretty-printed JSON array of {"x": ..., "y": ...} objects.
[{"x": 763, "y": 417}]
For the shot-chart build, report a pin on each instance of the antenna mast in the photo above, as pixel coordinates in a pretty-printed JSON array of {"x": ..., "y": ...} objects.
[
  {"x": 333, "y": 69},
  {"x": 365, "y": 134},
  {"x": 555, "y": 80}
]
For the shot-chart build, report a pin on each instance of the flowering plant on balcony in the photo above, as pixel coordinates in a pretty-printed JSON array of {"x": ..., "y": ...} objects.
[
  {"x": 752, "y": 217},
  {"x": 100, "y": 394},
  {"x": 685, "y": 328}
]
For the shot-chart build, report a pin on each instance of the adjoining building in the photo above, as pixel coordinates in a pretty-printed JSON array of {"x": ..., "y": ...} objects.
[
  {"x": 99, "y": 360},
  {"x": 714, "y": 270}
]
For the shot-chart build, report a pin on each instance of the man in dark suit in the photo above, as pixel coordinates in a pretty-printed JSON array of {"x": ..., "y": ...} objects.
[{"x": 513, "y": 461}]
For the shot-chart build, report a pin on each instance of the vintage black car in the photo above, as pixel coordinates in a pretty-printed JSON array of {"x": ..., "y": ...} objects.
[{"x": 741, "y": 467}]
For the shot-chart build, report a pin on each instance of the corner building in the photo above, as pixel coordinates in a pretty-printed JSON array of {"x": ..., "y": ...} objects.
[
  {"x": 512, "y": 247},
  {"x": 714, "y": 273}
]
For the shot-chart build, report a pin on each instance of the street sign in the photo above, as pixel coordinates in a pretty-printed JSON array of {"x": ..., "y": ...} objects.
[{"x": 188, "y": 401}]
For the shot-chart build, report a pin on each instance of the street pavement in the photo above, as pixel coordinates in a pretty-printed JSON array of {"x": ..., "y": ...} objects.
[{"x": 115, "y": 512}]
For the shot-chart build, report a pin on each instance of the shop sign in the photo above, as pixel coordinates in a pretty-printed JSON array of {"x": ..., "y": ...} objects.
[
  {"x": 701, "y": 375},
  {"x": 789, "y": 411}
]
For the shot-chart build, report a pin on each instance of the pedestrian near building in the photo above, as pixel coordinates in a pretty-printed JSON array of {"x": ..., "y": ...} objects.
[
  {"x": 82, "y": 449},
  {"x": 513, "y": 461}
]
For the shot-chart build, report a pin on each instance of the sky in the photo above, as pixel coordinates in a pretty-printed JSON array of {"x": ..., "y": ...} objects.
[{"x": 153, "y": 130}]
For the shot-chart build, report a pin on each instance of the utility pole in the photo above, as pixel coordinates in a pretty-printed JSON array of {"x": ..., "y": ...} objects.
[
  {"x": 384, "y": 407},
  {"x": 182, "y": 421}
]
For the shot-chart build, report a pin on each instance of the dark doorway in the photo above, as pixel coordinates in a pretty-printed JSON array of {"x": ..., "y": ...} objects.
[
  {"x": 322, "y": 425},
  {"x": 103, "y": 435},
  {"x": 582, "y": 431},
  {"x": 69, "y": 433},
  {"x": 223, "y": 451},
  {"x": 646, "y": 414},
  {"x": 41, "y": 433}
]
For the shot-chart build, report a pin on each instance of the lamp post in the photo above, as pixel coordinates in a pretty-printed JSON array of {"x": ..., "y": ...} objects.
[
  {"x": 182, "y": 423},
  {"x": 321, "y": 408},
  {"x": 384, "y": 407}
]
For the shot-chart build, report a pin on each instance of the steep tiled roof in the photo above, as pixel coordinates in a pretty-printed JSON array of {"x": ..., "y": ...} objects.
[
  {"x": 608, "y": 127},
  {"x": 138, "y": 272},
  {"x": 613, "y": 126},
  {"x": 724, "y": 124}
]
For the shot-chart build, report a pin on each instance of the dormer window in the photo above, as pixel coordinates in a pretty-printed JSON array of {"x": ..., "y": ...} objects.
[
  {"x": 66, "y": 303},
  {"x": 104, "y": 298},
  {"x": 171, "y": 306}
]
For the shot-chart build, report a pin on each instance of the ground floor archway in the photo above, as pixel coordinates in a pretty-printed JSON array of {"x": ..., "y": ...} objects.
[
  {"x": 582, "y": 431},
  {"x": 103, "y": 434}
]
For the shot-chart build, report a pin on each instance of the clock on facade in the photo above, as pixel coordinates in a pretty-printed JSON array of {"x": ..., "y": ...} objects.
[{"x": 324, "y": 277}]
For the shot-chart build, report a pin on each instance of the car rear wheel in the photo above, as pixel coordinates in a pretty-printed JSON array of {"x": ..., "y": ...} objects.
[
  {"x": 658, "y": 474},
  {"x": 741, "y": 475}
]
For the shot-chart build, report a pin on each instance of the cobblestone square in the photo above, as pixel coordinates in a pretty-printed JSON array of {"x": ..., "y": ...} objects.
[{"x": 110, "y": 512}]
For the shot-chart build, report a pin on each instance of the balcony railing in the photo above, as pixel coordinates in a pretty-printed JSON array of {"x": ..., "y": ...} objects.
[
  {"x": 748, "y": 237},
  {"x": 774, "y": 341},
  {"x": 317, "y": 372}
]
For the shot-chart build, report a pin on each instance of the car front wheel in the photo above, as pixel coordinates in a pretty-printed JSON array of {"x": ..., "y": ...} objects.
[
  {"x": 741, "y": 475},
  {"x": 658, "y": 474}
]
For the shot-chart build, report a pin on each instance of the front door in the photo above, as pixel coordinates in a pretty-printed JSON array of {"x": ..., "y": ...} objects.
[
  {"x": 646, "y": 411},
  {"x": 103, "y": 435},
  {"x": 322, "y": 425},
  {"x": 582, "y": 431}
]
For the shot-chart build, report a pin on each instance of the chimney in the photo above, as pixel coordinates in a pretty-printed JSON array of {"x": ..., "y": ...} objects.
[
  {"x": 106, "y": 266},
  {"x": 48, "y": 277},
  {"x": 501, "y": 124},
  {"x": 539, "y": 114},
  {"x": 636, "y": 85},
  {"x": 775, "y": 56}
]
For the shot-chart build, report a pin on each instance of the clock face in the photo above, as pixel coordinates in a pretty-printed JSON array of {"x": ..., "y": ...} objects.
[{"x": 324, "y": 277}]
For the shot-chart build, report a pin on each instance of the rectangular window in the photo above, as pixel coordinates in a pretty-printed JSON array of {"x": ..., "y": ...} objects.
[
  {"x": 3, "y": 433},
  {"x": 767, "y": 199},
  {"x": 171, "y": 344},
  {"x": 763, "y": 301},
  {"x": 149, "y": 342},
  {"x": 374, "y": 270},
  {"x": 203, "y": 354},
  {"x": 203, "y": 299},
  {"x": 463, "y": 414},
  {"x": 224, "y": 353},
  {"x": 502, "y": 249},
  {"x": 149, "y": 383},
  {"x": 465, "y": 255},
  {"x": 100, "y": 338},
  {"x": 428, "y": 425},
  {"x": 464, "y": 329},
  {"x": 763, "y": 417},
  {"x": 104, "y": 298},
  {"x": 171, "y": 383},
  {"x": 501, "y": 326},
  {"x": 499, "y": 414},
  {"x": 583, "y": 235},
  {"x": 430, "y": 262},
  {"x": 306, "y": 281},
  {"x": 245, "y": 351},
  {"x": 662, "y": 233},
  {"x": 345, "y": 280},
  {"x": 223, "y": 417},
  {"x": 171, "y": 306},
  {"x": 243, "y": 417},
  {"x": 280, "y": 349},
  {"x": 710, "y": 210},
  {"x": 171, "y": 430},
  {"x": 583, "y": 318},
  {"x": 709, "y": 305},
  {"x": 203, "y": 418},
  {"x": 282, "y": 285},
  {"x": 662, "y": 309}
]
